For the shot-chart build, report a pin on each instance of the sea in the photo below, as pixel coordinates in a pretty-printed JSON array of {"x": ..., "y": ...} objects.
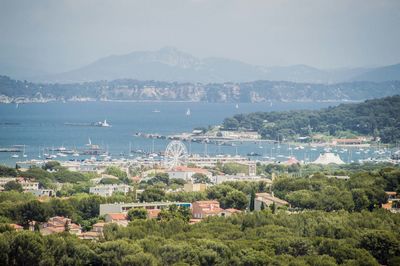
[{"x": 35, "y": 127}]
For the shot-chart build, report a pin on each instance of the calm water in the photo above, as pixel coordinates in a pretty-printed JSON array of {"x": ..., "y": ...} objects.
[{"x": 42, "y": 125}]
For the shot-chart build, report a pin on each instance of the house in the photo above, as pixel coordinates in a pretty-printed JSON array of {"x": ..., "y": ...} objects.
[
  {"x": 118, "y": 218},
  {"x": 153, "y": 214},
  {"x": 26, "y": 184},
  {"x": 42, "y": 192},
  {"x": 58, "y": 224},
  {"x": 292, "y": 160},
  {"x": 108, "y": 190},
  {"x": 268, "y": 199},
  {"x": 17, "y": 227},
  {"x": 205, "y": 208},
  {"x": 125, "y": 207},
  {"x": 229, "y": 212},
  {"x": 192, "y": 187},
  {"x": 186, "y": 173},
  {"x": 98, "y": 227}
]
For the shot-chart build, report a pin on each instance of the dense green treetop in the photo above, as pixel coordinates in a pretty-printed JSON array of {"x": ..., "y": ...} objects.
[{"x": 377, "y": 118}]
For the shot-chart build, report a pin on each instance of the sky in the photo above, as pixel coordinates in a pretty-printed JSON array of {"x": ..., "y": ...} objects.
[{"x": 55, "y": 36}]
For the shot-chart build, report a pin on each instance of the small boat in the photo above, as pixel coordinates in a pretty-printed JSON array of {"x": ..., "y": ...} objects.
[
  {"x": 75, "y": 154},
  {"x": 15, "y": 156},
  {"x": 156, "y": 111},
  {"x": 103, "y": 124},
  {"x": 188, "y": 113},
  {"x": 237, "y": 106}
]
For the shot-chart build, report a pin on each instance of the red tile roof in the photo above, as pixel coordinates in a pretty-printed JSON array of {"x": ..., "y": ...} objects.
[{"x": 117, "y": 216}]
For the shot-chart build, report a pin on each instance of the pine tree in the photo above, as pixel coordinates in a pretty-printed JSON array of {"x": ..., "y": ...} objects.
[{"x": 252, "y": 199}]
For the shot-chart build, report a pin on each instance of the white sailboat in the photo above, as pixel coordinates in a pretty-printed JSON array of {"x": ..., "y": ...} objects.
[
  {"x": 237, "y": 106},
  {"x": 23, "y": 154},
  {"x": 188, "y": 113}
]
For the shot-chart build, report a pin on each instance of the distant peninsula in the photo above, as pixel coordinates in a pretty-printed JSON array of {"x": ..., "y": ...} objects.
[{"x": 16, "y": 91}]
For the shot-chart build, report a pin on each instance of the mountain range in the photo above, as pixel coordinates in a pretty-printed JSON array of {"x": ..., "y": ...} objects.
[{"x": 172, "y": 65}]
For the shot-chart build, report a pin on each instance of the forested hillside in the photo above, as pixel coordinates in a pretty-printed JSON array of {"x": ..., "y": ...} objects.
[
  {"x": 378, "y": 118},
  {"x": 257, "y": 91}
]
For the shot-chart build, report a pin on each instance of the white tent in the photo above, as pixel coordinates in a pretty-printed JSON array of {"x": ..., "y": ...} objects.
[{"x": 328, "y": 158}]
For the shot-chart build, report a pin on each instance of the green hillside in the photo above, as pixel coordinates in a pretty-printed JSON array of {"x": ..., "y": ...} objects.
[{"x": 377, "y": 118}]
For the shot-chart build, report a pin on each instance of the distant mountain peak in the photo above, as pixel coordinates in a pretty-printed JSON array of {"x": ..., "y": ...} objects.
[{"x": 173, "y": 65}]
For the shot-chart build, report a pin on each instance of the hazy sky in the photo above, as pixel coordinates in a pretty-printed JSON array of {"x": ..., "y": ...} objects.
[{"x": 61, "y": 35}]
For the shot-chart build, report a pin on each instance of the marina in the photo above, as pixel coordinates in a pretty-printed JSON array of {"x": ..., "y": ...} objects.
[{"x": 40, "y": 130}]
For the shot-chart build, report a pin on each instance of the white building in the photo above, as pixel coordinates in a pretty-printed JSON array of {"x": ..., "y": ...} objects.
[
  {"x": 42, "y": 192},
  {"x": 108, "y": 190},
  {"x": 26, "y": 184},
  {"x": 218, "y": 179},
  {"x": 125, "y": 207},
  {"x": 328, "y": 158},
  {"x": 186, "y": 173}
]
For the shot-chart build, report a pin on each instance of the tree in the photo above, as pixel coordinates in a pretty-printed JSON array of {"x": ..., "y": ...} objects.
[
  {"x": 236, "y": 199},
  {"x": 115, "y": 171},
  {"x": 51, "y": 165},
  {"x": 13, "y": 185},
  {"x": 273, "y": 207},
  {"x": 381, "y": 244},
  {"x": 7, "y": 171},
  {"x": 252, "y": 199},
  {"x": 27, "y": 248},
  {"x": 32, "y": 211},
  {"x": 201, "y": 178},
  {"x": 137, "y": 213},
  {"x": 152, "y": 194}
]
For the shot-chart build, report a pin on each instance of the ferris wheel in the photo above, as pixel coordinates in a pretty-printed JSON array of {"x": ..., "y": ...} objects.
[{"x": 175, "y": 154}]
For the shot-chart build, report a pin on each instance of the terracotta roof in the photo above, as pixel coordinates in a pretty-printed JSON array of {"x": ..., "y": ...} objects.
[
  {"x": 101, "y": 224},
  {"x": 153, "y": 213},
  {"x": 392, "y": 193},
  {"x": 16, "y": 226},
  {"x": 117, "y": 216}
]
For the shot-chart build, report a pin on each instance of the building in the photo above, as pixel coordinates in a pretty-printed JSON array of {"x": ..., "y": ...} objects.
[
  {"x": 98, "y": 227},
  {"x": 349, "y": 142},
  {"x": 267, "y": 199},
  {"x": 328, "y": 158},
  {"x": 17, "y": 227},
  {"x": 340, "y": 177},
  {"x": 186, "y": 173},
  {"x": 108, "y": 190},
  {"x": 229, "y": 212},
  {"x": 153, "y": 213},
  {"x": 238, "y": 135},
  {"x": 42, "y": 192},
  {"x": 194, "y": 187},
  {"x": 118, "y": 218},
  {"x": 205, "y": 208},
  {"x": 218, "y": 179},
  {"x": 26, "y": 184},
  {"x": 125, "y": 207},
  {"x": 58, "y": 224}
]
